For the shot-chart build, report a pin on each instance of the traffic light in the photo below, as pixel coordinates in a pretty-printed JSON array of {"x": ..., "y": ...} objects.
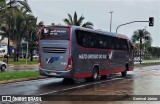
[{"x": 151, "y": 21}]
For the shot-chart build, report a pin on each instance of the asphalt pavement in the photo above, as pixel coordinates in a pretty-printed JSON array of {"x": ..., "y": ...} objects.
[{"x": 142, "y": 81}]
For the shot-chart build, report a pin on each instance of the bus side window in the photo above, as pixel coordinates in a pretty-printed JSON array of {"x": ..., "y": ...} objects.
[
  {"x": 117, "y": 44},
  {"x": 97, "y": 41},
  {"x": 79, "y": 37},
  {"x": 91, "y": 43},
  {"x": 86, "y": 40},
  {"x": 112, "y": 43},
  {"x": 43, "y": 35},
  {"x": 101, "y": 43}
]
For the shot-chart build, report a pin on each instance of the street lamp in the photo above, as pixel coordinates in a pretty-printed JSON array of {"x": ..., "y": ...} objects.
[{"x": 111, "y": 20}]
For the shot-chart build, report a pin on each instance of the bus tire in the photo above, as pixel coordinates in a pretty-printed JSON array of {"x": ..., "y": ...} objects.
[
  {"x": 3, "y": 67},
  {"x": 124, "y": 73},
  {"x": 94, "y": 76}
]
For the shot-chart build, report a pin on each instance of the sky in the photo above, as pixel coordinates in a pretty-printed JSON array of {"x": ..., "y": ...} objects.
[{"x": 98, "y": 12}]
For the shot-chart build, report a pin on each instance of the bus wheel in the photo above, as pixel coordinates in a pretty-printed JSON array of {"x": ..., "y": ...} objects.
[
  {"x": 124, "y": 73},
  {"x": 95, "y": 74}
]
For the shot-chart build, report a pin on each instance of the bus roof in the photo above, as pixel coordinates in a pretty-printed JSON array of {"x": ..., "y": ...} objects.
[
  {"x": 101, "y": 32},
  {"x": 92, "y": 30}
]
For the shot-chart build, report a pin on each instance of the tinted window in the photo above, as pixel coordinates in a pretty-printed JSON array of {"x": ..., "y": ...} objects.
[
  {"x": 57, "y": 33},
  {"x": 93, "y": 40}
]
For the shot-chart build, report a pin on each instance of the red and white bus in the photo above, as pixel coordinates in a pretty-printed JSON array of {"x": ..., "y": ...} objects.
[{"x": 77, "y": 52}]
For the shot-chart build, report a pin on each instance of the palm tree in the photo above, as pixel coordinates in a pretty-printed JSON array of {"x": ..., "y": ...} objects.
[
  {"x": 14, "y": 16},
  {"x": 7, "y": 8},
  {"x": 8, "y": 12},
  {"x": 77, "y": 22},
  {"x": 143, "y": 38},
  {"x": 25, "y": 24}
]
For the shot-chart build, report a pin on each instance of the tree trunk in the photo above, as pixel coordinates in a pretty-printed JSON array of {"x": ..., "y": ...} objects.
[
  {"x": 31, "y": 54},
  {"x": 16, "y": 55}
]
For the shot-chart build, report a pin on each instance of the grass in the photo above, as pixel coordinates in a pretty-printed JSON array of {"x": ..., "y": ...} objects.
[
  {"x": 147, "y": 64},
  {"x": 151, "y": 58},
  {"x": 18, "y": 75},
  {"x": 22, "y": 61}
]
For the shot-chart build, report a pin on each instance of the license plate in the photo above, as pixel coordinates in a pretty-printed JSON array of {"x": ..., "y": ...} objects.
[{"x": 51, "y": 73}]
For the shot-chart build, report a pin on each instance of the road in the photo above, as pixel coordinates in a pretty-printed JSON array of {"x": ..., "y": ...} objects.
[{"x": 141, "y": 81}]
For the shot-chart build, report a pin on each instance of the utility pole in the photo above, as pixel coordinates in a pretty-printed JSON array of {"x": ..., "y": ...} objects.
[
  {"x": 140, "y": 49},
  {"x": 111, "y": 20}
]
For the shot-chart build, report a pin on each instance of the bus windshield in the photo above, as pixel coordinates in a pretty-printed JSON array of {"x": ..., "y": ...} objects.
[{"x": 55, "y": 33}]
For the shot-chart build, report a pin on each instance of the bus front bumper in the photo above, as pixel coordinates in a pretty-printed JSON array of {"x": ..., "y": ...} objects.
[{"x": 56, "y": 73}]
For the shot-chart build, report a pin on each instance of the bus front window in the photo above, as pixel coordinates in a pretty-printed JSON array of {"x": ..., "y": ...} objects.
[{"x": 55, "y": 33}]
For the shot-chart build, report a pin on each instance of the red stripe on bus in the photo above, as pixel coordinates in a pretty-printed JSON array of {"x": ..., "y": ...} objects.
[
  {"x": 83, "y": 75},
  {"x": 106, "y": 72}
]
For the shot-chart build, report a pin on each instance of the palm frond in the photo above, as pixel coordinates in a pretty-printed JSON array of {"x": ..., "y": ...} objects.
[
  {"x": 77, "y": 22},
  {"x": 75, "y": 19},
  {"x": 67, "y": 22},
  {"x": 70, "y": 18},
  {"x": 25, "y": 5},
  {"x": 80, "y": 20},
  {"x": 88, "y": 25},
  {"x": 19, "y": 4}
]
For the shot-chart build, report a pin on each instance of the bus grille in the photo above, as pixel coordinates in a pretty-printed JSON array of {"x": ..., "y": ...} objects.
[{"x": 54, "y": 50}]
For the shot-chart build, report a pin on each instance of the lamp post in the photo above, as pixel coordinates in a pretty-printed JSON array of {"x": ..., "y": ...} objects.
[
  {"x": 111, "y": 20},
  {"x": 145, "y": 51}
]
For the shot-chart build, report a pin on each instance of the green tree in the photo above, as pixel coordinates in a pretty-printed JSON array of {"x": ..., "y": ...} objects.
[
  {"x": 9, "y": 10},
  {"x": 77, "y": 22},
  {"x": 142, "y": 36},
  {"x": 33, "y": 36},
  {"x": 25, "y": 24},
  {"x": 15, "y": 15}
]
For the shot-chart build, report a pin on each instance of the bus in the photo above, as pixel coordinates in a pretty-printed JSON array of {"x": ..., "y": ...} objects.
[{"x": 77, "y": 52}]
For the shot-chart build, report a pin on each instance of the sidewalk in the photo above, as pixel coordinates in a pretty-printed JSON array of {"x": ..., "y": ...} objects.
[{"x": 12, "y": 67}]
